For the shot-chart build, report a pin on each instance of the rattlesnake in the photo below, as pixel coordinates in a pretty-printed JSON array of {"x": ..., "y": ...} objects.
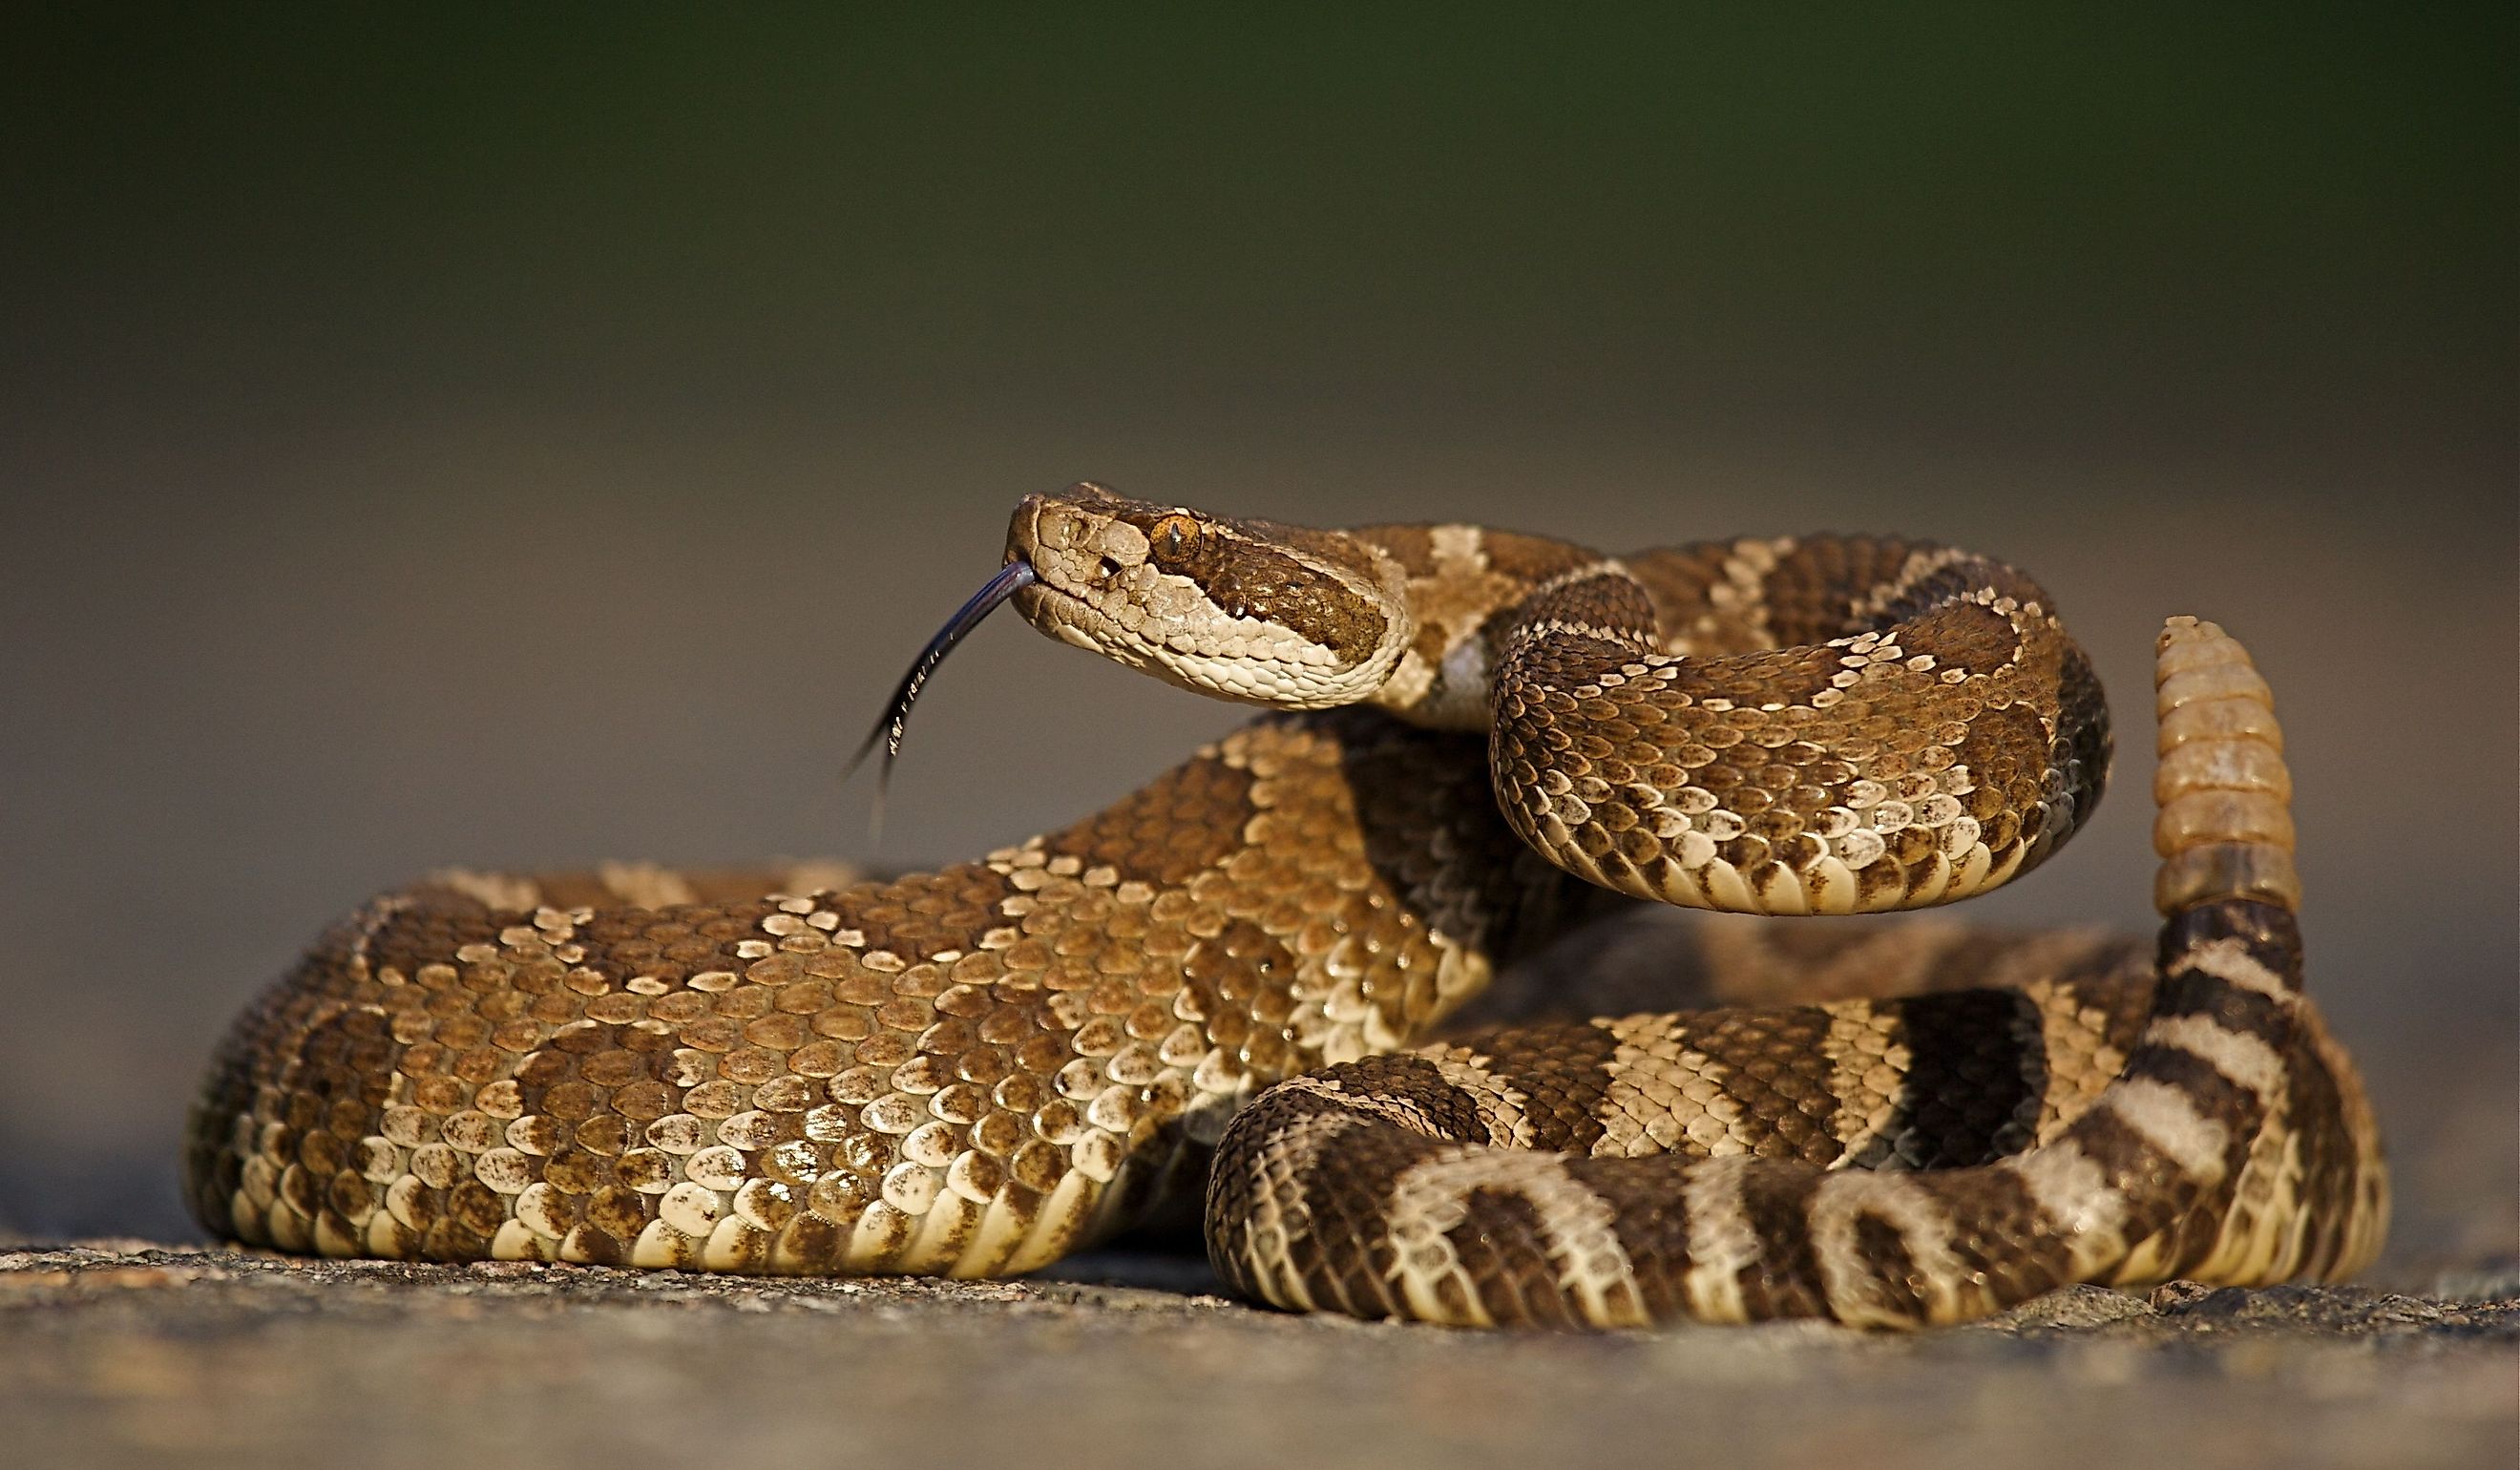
[{"x": 977, "y": 1070}]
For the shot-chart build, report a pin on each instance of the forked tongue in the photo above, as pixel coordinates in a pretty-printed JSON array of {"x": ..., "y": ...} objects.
[{"x": 1011, "y": 578}]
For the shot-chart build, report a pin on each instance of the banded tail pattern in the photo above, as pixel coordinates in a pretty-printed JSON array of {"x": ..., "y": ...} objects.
[{"x": 1599, "y": 1173}]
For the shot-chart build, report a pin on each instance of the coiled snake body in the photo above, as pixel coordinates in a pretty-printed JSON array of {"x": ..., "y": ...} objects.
[{"x": 977, "y": 1070}]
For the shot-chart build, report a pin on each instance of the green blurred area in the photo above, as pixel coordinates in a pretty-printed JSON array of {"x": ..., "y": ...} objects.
[{"x": 2077, "y": 216}]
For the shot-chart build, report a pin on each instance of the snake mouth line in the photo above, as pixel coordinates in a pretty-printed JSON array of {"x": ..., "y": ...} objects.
[{"x": 1011, "y": 578}]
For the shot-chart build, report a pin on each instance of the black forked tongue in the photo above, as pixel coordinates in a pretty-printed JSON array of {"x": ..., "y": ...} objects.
[{"x": 1011, "y": 578}]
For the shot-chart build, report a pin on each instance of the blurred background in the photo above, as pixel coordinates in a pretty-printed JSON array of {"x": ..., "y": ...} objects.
[{"x": 514, "y": 442}]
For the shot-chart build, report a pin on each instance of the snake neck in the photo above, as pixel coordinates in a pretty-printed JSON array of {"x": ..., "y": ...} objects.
[{"x": 1466, "y": 589}]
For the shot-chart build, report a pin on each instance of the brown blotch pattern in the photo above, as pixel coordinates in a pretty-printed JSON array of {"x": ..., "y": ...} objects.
[{"x": 1242, "y": 575}]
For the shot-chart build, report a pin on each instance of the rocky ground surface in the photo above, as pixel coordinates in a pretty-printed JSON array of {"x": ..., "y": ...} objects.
[{"x": 120, "y": 1352}]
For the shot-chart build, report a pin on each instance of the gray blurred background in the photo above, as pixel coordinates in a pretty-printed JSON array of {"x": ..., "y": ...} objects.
[{"x": 524, "y": 443}]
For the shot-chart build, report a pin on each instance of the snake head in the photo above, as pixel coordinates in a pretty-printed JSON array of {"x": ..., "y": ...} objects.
[{"x": 1250, "y": 610}]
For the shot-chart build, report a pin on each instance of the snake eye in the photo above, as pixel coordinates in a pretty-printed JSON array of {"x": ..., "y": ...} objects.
[{"x": 1172, "y": 535}]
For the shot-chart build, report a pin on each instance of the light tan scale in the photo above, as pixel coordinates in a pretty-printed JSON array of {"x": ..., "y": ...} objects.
[{"x": 977, "y": 1070}]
